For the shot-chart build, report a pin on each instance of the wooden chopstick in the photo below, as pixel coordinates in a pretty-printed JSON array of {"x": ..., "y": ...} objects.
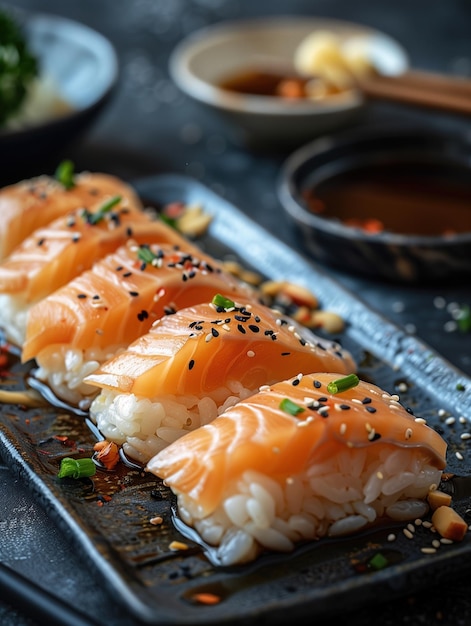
[{"x": 419, "y": 88}]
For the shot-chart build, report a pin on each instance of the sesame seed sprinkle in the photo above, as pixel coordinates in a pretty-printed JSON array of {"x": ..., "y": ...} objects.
[
  {"x": 250, "y": 353},
  {"x": 465, "y": 436},
  {"x": 408, "y": 433},
  {"x": 459, "y": 456},
  {"x": 428, "y": 550},
  {"x": 407, "y": 533}
]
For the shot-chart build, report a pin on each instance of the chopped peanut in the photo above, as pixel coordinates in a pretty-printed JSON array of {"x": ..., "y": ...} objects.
[
  {"x": 449, "y": 523},
  {"x": 194, "y": 222},
  {"x": 328, "y": 320},
  {"x": 437, "y": 498},
  {"x": 299, "y": 295}
]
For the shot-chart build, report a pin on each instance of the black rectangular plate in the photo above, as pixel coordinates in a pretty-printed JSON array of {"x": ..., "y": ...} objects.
[{"x": 109, "y": 518}]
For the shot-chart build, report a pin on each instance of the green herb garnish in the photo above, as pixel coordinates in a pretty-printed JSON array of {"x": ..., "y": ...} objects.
[
  {"x": 76, "y": 468},
  {"x": 343, "y": 384},
  {"x": 98, "y": 216},
  {"x": 290, "y": 407},
  {"x": 171, "y": 221},
  {"x": 65, "y": 174},
  {"x": 460, "y": 387},
  {"x": 378, "y": 561},
  {"x": 464, "y": 319},
  {"x": 18, "y": 67},
  {"x": 146, "y": 255},
  {"x": 223, "y": 302}
]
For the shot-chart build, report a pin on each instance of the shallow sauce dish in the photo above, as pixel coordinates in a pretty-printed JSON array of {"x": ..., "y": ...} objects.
[
  {"x": 206, "y": 58},
  {"x": 386, "y": 204},
  {"x": 83, "y": 66}
]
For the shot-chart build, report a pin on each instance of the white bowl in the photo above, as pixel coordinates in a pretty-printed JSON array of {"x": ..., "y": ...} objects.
[{"x": 208, "y": 56}]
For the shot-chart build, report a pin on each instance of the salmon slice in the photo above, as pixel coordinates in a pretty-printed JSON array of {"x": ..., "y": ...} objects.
[
  {"x": 30, "y": 204},
  {"x": 52, "y": 255},
  {"x": 201, "y": 347},
  {"x": 296, "y": 462},
  {"x": 193, "y": 364},
  {"x": 109, "y": 306}
]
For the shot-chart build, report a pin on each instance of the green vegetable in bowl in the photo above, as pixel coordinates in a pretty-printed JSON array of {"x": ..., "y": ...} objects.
[{"x": 18, "y": 67}]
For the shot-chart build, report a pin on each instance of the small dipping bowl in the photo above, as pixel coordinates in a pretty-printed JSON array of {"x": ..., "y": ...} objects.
[
  {"x": 205, "y": 60},
  {"x": 393, "y": 205}
]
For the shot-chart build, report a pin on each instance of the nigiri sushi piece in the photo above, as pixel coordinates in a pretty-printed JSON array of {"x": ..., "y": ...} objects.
[
  {"x": 31, "y": 203},
  {"x": 194, "y": 364},
  {"x": 297, "y": 462},
  {"x": 101, "y": 311},
  {"x": 54, "y": 254}
]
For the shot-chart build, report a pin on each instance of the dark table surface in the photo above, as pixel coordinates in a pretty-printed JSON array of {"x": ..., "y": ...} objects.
[{"x": 149, "y": 128}]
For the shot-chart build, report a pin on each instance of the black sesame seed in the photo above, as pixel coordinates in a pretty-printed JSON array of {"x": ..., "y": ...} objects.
[
  {"x": 192, "y": 324},
  {"x": 322, "y": 347},
  {"x": 366, "y": 400},
  {"x": 317, "y": 384},
  {"x": 285, "y": 353},
  {"x": 119, "y": 268},
  {"x": 375, "y": 437},
  {"x": 191, "y": 364},
  {"x": 323, "y": 399},
  {"x": 127, "y": 274},
  {"x": 371, "y": 409},
  {"x": 295, "y": 382},
  {"x": 198, "y": 327},
  {"x": 143, "y": 315},
  {"x": 96, "y": 297},
  {"x": 129, "y": 232},
  {"x": 268, "y": 332},
  {"x": 214, "y": 332},
  {"x": 241, "y": 329},
  {"x": 344, "y": 407},
  {"x": 134, "y": 294},
  {"x": 302, "y": 341},
  {"x": 241, "y": 318},
  {"x": 253, "y": 328},
  {"x": 257, "y": 319},
  {"x": 81, "y": 296},
  {"x": 143, "y": 266},
  {"x": 409, "y": 410}
]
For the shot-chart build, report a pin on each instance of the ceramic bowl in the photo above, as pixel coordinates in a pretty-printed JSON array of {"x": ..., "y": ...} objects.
[
  {"x": 207, "y": 57},
  {"x": 83, "y": 66},
  {"x": 438, "y": 246}
]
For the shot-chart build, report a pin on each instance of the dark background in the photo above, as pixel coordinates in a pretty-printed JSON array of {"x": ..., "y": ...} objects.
[{"x": 148, "y": 128}]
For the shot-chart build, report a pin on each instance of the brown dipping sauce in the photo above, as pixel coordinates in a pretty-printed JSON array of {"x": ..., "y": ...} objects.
[
  {"x": 267, "y": 82},
  {"x": 404, "y": 198}
]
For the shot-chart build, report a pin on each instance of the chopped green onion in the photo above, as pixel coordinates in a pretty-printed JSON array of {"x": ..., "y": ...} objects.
[
  {"x": 221, "y": 301},
  {"x": 378, "y": 561},
  {"x": 65, "y": 174},
  {"x": 460, "y": 387},
  {"x": 343, "y": 384},
  {"x": 95, "y": 218},
  {"x": 290, "y": 407},
  {"x": 76, "y": 468},
  {"x": 145, "y": 254},
  {"x": 171, "y": 221}
]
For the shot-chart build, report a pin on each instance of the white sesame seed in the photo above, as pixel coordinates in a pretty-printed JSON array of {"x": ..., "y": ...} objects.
[
  {"x": 395, "y": 397},
  {"x": 427, "y": 524},
  {"x": 420, "y": 420},
  {"x": 465, "y": 436},
  {"x": 459, "y": 456},
  {"x": 371, "y": 434},
  {"x": 462, "y": 419},
  {"x": 264, "y": 388},
  {"x": 208, "y": 337},
  {"x": 450, "y": 421},
  {"x": 392, "y": 537},
  {"x": 402, "y": 387},
  {"x": 408, "y": 434},
  {"x": 357, "y": 401},
  {"x": 436, "y": 543},
  {"x": 418, "y": 522},
  {"x": 289, "y": 481},
  {"x": 407, "y": 533},
  {"x": 450, "y": 326},
  {"x": 250, "y": 353},
  {"x": 343, "y": 428},
  {"x": 428, "y": 550},
  {"x": 379, "y": 475},
  {"x": 446, "y": 541},
  {"x": 441, "y": 413},
  {"x": 411, "y": 527}
]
